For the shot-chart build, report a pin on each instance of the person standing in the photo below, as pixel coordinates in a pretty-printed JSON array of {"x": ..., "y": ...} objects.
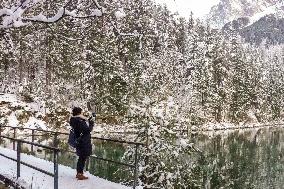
[{"x": 82, "y": 127}]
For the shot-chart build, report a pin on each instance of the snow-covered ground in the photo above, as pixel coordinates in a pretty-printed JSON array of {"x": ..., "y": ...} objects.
[{"x": 37, "y": 180}]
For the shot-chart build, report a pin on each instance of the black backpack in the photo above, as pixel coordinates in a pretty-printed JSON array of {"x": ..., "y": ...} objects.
[{"x": 72, "y": 140}]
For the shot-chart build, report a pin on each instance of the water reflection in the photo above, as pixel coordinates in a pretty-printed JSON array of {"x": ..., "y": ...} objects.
[
  {"x": 241, "y": 159},
  {"x": 2, "y": 186}
]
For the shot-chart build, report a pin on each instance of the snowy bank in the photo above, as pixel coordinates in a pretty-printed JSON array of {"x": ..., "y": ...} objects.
[
  {"x": 231, "y": 126},
  {"x": 31, "y": 178},
  {"x": 15, "y": 112}
]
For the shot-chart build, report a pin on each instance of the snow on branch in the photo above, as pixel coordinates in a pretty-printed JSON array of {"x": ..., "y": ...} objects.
[
  {"x": 14, "y": 16},
  {"x": 119, "y": 33}
]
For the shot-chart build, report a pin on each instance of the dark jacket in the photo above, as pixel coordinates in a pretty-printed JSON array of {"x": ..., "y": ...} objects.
[{"x": 83, "y": 133}]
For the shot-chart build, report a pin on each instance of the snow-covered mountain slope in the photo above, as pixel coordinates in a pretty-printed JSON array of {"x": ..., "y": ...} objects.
[
  {"x": 276, "y": 9},
  {"x": 268, "y": 30},
  {"x": 256, "y": 21},
  {"x": 229, "y": 10}
]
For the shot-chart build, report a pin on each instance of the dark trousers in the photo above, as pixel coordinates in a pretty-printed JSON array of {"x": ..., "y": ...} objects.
[{"x": 81, "y": 163}]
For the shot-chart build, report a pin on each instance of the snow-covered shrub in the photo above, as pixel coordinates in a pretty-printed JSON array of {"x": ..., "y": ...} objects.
[{"x": 164, "y": 160}]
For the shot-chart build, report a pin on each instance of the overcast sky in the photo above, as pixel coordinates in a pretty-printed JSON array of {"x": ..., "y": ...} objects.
[{"x": 198, "y": 7}]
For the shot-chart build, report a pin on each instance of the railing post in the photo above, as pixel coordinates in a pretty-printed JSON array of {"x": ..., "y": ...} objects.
[
  {"x": 0, "y": 133},
  {"x": 91, "y": 159},
  {"x": 55, "y": 161},
  {"x": 18, "y": 159},
  {"x": 14, "y": 136},
  {"x": 33, "y": 139},
  {"x": 87, "y": 163},
  {"x": 55, "y": 140},
  {"x": 136, "y": 166}
]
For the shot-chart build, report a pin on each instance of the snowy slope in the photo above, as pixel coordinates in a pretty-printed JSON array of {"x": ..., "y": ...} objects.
[
  {"x": 277, "y": 10},
  {"x": 42, "y": 181},
  {"x": 11, "y": 108}
]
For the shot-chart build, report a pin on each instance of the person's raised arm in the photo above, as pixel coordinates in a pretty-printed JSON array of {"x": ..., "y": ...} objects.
[{"x": 85, "y": 128}]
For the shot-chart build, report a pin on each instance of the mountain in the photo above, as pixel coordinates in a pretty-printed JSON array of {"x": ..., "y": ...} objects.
[
  {"x": 228, "y": 10},
  {"x": 255, "y": 20},
  {"x": 268, "y": 29}
]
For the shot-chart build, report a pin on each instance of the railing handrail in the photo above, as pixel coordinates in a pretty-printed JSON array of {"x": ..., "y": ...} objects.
[
  {"x": 31, "y": 143},
  {"x": 19, "y": 162},
  {"x": 64, "y": 133}
]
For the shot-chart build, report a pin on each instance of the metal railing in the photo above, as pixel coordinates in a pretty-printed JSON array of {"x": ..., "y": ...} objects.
[
  {"x": 56, "y": 134},
  {"x": 19, "y": 162}
]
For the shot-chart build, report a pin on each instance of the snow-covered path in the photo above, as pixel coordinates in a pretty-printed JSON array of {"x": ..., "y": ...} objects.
[{"x": 42, "y": 181}]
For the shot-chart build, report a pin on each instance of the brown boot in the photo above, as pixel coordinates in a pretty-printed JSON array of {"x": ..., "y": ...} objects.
[{"x": 80, "y": 176}]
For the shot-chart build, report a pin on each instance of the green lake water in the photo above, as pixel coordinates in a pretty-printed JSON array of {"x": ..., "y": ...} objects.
[
  {"x": 241, "y": 159},
  {"x": 2, "y": 186}
]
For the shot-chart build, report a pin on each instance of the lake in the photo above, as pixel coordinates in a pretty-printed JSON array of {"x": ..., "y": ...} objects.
[
  {"x": 241, "y": 159},
  {"x": 2, "y": 186}
]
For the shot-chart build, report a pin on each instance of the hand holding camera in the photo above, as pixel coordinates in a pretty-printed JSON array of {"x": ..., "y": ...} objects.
[{"x": 93, "y": 117}]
